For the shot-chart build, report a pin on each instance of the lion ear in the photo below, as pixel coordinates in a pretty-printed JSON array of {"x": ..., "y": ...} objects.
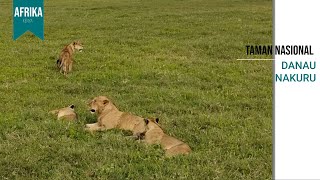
[
  {"x": 72, "y": 106},
  {"x": 146, "y": 121},
  {"x": 157, "y": 120},
  {"x": 105, "y": 101}
]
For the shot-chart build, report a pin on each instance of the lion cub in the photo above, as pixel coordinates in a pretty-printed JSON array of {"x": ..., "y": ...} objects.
[
  {"x": 110, "y": 117},
  {"x": 155, "y": 135},
  {"x": 65, "y": 62},
  {"x": 66, "y": 113}
]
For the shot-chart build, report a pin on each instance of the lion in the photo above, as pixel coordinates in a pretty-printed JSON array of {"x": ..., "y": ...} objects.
[
  {"x": 109, "y": 117},
  {"x": 66, "y": 113},
  {"x": 65, "y": 62},
  {"x": 155, "y": 135}
]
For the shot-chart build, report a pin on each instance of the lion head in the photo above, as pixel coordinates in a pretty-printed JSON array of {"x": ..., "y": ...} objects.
[
  {"x": 78, "y": 46},
  {"x": 100, "y": 104},
  {"x": 151, "y": 123}
]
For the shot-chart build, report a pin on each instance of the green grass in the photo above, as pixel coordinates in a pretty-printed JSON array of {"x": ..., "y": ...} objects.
[{"x": 174, "y": 59}]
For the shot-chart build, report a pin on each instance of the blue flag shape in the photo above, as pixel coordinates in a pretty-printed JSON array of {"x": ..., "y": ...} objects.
[{"x": 28, "y": 15}]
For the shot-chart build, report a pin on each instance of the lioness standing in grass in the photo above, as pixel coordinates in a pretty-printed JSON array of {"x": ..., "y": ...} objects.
[
  {"x": 110, "y": 117},
  {"x": 66, "y": 113},
  {"x": 155, "y": 135},
  {"x": 65, "y": 62}
]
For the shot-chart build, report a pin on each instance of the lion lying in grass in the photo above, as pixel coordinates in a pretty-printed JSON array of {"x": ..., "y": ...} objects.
[
  {"x": 66, "y": 113},
  {"x": 155, "y": 135},
  {"x": 109, "y": 117}
]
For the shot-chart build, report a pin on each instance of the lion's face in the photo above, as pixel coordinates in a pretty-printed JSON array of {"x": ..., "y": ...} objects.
[
  {"x": 98, "y": 104},
  {"x": 151, "y": 123},
  {"x": 78, "y": 46}
]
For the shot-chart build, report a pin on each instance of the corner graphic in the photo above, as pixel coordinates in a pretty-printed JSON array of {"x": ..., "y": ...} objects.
[{"x": 28, "y": 15}]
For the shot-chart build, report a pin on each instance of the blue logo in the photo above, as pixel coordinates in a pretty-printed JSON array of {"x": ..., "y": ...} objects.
[{"x": 28, "y": 15}]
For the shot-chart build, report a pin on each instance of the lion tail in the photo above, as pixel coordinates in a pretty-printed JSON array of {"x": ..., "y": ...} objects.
[
  {"x": 58, "y": 63},
  {"x": 61, "y": 63}
]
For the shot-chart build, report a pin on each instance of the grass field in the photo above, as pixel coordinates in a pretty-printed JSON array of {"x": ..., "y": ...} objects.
[{"x": 174, "y": 59}]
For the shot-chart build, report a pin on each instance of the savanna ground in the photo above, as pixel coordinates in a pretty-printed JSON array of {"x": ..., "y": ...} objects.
[{"x": 174, "y": 59}]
